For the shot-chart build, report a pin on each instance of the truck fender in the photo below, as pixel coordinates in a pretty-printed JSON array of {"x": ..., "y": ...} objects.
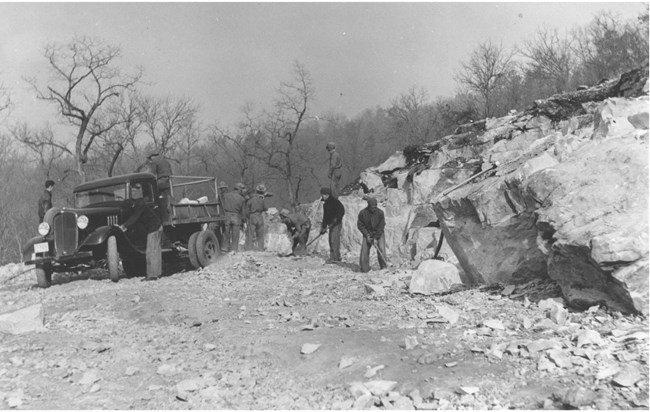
[
  {"x": 28, "y": 249},
  {"x": 99, "y": 236},
  {"x": 102, "y": 233}
]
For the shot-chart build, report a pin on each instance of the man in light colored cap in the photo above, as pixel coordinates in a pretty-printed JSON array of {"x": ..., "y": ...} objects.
[
  {"x": 335, "y": 169},
  {"x": 371, "y": 224},
  {"x": 298, "y": 226},
  {"x": 256, "y": 208}
]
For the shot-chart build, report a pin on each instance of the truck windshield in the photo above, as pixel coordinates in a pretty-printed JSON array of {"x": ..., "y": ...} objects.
[{"x": 100, "y": 195}]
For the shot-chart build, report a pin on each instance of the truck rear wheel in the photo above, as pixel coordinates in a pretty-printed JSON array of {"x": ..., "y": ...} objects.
[
  {"x": 207, "y": 248},
  {"x": 113, "y": 259},
  {"x": 43, "y": 278},
  {"x": 191, "y": 250}
]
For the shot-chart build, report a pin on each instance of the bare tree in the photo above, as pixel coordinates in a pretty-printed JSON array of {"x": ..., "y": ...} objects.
[
  {"x": 551, "y": 56},
  {"x": 278, "y": 144},
  {"x": 42, "y": 145},
  {"x": 165, "y": 120},
  {"x": 485, "y": 71},
  {"x": 412, "y": 117},
  {"x": 84, "y": 76},
  {"x": 127, "y": 123},
  {"x": 239, "y": 147},
  {"x": 609, "y": 46}
]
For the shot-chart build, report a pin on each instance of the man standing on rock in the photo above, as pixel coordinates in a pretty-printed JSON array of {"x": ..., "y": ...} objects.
[
  {"x": 45, "y": 201},
  {"x": 334, "y": 173},
  {"x": 333, "y": 212},
  {"x": 371, "y": 223},
  {"x": 256, "y": 208},
  {"x": 298, "y": 226},
  {"x": 233, "y": 206}
]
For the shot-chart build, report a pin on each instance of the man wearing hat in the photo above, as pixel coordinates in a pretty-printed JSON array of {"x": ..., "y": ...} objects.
[
  {"x": 233, "y": 206},
  {"x": 333, "y": 212},
  {"x": 298, "y": 226},
  {"x": 163, "y": 171},
  {"x": 45, "y": 201},
  {"x": 371, "y": 224},
  {"x": 256, "y": 207},
  {"x": 335, "y": 169}
]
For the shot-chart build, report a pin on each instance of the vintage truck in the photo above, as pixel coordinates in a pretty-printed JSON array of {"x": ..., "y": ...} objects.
[{"x": 88, "y": 235}]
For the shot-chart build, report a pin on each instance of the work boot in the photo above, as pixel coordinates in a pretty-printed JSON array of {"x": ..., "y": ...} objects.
[{"x": 149, "y": 278}]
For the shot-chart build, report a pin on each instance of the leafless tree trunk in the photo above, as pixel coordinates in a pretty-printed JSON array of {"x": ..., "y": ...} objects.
[{"x": 278, "y": 145}]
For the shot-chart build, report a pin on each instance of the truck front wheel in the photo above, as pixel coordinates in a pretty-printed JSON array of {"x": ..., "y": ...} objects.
[
  {"x": 207, "y": 248},
  {"x": 43, "y": 277},
  {"x": 113, "y": 259}
]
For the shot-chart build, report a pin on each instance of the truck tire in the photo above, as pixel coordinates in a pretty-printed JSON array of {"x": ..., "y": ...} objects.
[
  {"x": 207, "y": 248},
  {"x": 191, "y": 250},
  {"x": 134, "y": 264},
  {"x": 113, "y": 259},
  {"x": 43, "y": 278}
]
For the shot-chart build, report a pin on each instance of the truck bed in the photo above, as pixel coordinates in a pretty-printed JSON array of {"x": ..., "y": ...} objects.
[{"x": 195, "y": 213}]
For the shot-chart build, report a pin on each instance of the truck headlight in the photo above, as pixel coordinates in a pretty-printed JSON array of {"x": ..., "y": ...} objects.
[
  {"x": 82, "y": 222},
  {"x": 43, "y": 229}
]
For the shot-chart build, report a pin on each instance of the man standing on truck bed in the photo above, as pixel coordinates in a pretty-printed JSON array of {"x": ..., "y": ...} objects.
[
  {"x": 146, "y": 220},
  {"x": 45, "y": 201},
  {"x": 233, "y": 206},
  {"x": 163, "y": 170}
]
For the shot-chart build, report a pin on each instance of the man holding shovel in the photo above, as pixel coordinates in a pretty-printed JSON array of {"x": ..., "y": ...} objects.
[
  {"x": 371, "y": 224},
  {"x": 298, "y": 227},
  {"x": 333, "y": 212}
]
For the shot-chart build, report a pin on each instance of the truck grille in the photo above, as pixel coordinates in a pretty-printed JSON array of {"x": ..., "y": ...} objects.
[
  {"x": 65, "y": 233},
  {"x": 112, "y": 220}
]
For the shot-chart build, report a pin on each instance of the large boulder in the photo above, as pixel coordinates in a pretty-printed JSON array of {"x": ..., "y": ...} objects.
[
  {"x": 434, "y": 276},
  {"x": 563, "y": 206},
  {"x": 25, "y": 320}
]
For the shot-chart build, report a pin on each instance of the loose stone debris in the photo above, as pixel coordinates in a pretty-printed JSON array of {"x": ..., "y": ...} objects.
[{"x": 308, "y": 336}]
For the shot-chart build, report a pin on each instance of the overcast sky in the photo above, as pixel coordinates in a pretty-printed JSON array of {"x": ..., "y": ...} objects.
[{"x": 224, "y": 55}]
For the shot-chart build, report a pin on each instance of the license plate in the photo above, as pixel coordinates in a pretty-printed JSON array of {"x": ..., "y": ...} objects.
[{"x": 41, "y": 247}]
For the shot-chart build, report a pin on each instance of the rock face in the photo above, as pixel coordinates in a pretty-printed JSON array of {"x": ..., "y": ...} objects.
[
  {"x": 568, "y": 198},
  {"x": 569, "y": 204}
]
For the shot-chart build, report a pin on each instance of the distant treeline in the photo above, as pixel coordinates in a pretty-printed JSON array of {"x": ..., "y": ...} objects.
[{"x": 283, "y": 145}]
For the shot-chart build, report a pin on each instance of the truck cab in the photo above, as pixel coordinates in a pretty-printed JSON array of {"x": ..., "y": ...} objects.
[{"x": 88, "y": 235}]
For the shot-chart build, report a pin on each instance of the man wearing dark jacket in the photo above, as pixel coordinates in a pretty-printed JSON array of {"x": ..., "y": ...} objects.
[
  {"x": 163, "y": 171},
  {"x": 45, "y": 201},
  {"x": 371, "y": 223},
  {"x": 145, "y": 219},
  {"x": 333, "y": 212}
]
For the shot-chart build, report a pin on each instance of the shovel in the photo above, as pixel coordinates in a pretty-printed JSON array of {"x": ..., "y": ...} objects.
[
  {"x": 379, "y": 252},
  {"x": 313, "y": 240}
]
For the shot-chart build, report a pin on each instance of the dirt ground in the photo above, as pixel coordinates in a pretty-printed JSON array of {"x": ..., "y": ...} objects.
[{"x": 230, "y": 336}]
